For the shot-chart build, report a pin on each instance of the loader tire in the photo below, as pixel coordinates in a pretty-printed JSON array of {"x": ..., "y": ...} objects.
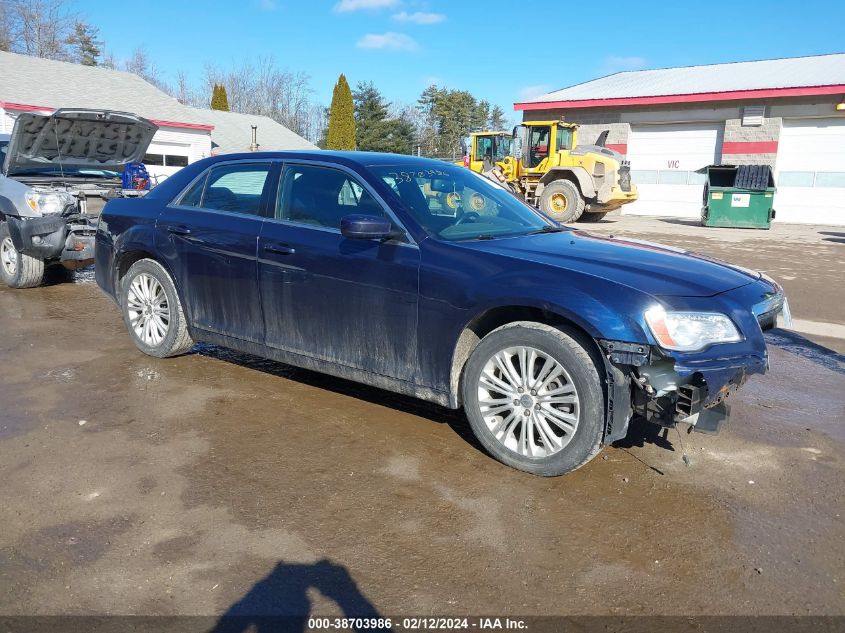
[
  {"x": 562, "y": 202},
  {"x": 593, "y": 216}
]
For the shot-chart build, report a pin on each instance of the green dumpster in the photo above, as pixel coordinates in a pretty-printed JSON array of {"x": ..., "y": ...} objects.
[{"x": 739, "y": 196}]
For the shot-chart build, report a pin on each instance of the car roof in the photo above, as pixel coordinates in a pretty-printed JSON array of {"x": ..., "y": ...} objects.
[
  {"x": 363, "y": 159},
  {"x": 5, "y": 137}
]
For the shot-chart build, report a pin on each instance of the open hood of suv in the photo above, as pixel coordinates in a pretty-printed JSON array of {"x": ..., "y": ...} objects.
[{"x": 76, "y": 139}]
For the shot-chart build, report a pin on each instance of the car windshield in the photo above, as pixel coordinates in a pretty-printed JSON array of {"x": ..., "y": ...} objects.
[{"x": 453, "y": 203}]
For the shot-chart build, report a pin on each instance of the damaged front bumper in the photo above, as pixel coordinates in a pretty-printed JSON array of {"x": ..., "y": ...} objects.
[
  {"x": 696, "y": 392},
  {"x": 666, "y": 388},
  {"x": 68, "y": 239}
]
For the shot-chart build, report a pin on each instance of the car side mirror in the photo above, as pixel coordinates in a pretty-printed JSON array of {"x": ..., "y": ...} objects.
[{"x": 366, "y": 227}]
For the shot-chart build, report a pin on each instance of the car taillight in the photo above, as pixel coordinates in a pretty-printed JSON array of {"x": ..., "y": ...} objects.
[{"x": 466, "y": 160}]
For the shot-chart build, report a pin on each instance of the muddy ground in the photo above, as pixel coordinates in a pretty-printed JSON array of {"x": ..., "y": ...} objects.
[{"x": 132, "y": 485}]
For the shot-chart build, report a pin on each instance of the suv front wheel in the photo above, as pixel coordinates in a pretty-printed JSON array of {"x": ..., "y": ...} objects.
[
  {"x": 16, "y": 269},
  {"x": 533, "y": 398}
]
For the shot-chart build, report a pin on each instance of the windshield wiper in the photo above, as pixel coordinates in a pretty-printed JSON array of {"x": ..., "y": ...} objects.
[{"x": 548, "y": 229}]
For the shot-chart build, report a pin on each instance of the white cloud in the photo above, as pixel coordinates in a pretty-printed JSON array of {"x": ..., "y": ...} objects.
[
  {"x": 268, "y": 5},
  {"x": 419, "y": 17},
  {"x": 530, "y": 92},
  {"x": 388, "y": 41},
  {"x": 344, "y": 6},
  {"x": 615, "y": 64}
]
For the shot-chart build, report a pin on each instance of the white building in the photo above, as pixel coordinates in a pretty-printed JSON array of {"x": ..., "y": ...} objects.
[
  {"x": 787, "y": 113},
  {"x": 31, "y": 84}
]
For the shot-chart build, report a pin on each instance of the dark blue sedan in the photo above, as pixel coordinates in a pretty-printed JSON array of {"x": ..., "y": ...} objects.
[{"x": 423, "y": 278}]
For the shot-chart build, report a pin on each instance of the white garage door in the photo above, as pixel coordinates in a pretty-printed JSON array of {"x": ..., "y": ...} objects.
[
  {"x": 664, "y": 159},
  {"x": 810, "y": 171},
  {"x": 165, "y": 159}
]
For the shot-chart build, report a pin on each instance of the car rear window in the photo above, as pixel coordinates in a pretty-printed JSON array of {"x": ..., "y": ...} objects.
[{"x": 236, "y": 188}]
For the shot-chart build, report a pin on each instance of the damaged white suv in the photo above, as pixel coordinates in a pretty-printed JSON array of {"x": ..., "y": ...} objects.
[{"x": 57, "y": 173}]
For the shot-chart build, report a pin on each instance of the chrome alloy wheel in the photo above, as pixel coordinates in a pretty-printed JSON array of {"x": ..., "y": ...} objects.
[
  {"x": 528, "y": 401},
  {"x": 8, "y": 257},
  {"x": 148, "y": 309}
]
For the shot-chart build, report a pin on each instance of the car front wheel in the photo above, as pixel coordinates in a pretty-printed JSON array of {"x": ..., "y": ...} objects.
[
  {"x": 17, "y": 269},
  {"x": 152, "y": 311},
  {"x": 533, "y": 398}
]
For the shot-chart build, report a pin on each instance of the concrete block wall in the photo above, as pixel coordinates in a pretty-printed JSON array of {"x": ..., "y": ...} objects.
[
  {"x": 762, "y": 139},
  {"x": 591, "y": 123},
  {"x": 618, "y": 136}
]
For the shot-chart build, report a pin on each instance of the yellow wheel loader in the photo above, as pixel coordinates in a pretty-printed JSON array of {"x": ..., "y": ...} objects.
[{"x": 543, "y": 162}]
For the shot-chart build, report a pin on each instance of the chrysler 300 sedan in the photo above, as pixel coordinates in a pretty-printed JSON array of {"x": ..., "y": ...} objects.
[{"x": 423, "y": 278}]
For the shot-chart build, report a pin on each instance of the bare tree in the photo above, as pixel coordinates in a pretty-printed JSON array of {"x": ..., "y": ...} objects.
[
  {"x": 183, "y": 93},
  {"x": 109, "y": 61},
  {"x": 39, "y": 28},
  {"x": 5, "y": 26},
  {"x": 261, "y": 87},
  {"x": 141, "y": 64}
]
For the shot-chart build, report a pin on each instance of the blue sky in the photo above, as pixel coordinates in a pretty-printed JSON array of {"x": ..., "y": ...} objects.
[{"x": 500, "y": 51}]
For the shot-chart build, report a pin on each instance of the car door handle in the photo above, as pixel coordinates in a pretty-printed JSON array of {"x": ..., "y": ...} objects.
[
  {"x": 281, "y": 249},
  {"x": 179, "y": 230}
]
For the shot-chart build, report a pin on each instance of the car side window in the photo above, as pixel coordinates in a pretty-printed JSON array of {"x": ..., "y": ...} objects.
[
  {"x": 235, "y": 187},
  {"x": 193, "y": 197},
  {"x": 321, "y": 196}
]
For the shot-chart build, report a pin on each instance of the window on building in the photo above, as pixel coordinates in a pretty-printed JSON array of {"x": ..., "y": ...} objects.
[
  {"x": 175, "y": 160},
  {"x": 165, "y": 160}
]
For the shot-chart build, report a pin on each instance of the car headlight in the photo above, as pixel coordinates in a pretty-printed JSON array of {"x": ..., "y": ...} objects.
[
  {"x": 690, "y": 331},
  {"x": 49, "y": 203}
]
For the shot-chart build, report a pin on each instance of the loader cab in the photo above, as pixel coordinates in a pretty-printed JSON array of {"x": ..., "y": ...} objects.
[
  {"x": 542, "y": 140},
  {"x": 482, "y": 150},
  {"x": 539, "y": 143}
]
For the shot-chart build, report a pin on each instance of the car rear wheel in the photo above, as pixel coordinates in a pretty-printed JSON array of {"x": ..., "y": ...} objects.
[
  {"x": 16, "y": 269},
  {"x": 534, "y": 400},
  {"x": 152, "y": 311},
  {"x": 561, "y": 201}
]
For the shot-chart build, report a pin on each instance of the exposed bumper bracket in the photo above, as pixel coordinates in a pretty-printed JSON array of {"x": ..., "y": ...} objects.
[{"x": 711, "y": 420}]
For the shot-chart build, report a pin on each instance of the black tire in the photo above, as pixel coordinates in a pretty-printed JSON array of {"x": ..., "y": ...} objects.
[
  {"x": 177, "y": 340},
  {"x": 593, "y": 216},
  {"x": 574, "y": 358},
  {"x": 562, "y": 202},
  {"x": 28, "y": 271}
]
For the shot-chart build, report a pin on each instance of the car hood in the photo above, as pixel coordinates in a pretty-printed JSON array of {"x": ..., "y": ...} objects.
[
  {"x": 652, "y": 268},
  {"x": 77, "y": 139}
]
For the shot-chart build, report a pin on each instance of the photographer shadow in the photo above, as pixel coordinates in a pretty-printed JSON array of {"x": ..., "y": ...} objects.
[{"x": 280, "y": 603}]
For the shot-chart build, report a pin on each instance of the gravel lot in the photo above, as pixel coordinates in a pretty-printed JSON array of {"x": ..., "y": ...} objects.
[{"x": 140, "y": 486}]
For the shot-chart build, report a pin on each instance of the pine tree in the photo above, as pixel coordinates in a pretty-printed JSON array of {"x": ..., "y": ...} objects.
[
  {"x": 341, "y": 133},
  {"x": 497, "y": 119},
  {"x": 85, "y": 47},
  {"x": 375, "y": 129},
  {"x": 219, "y": 98}
]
